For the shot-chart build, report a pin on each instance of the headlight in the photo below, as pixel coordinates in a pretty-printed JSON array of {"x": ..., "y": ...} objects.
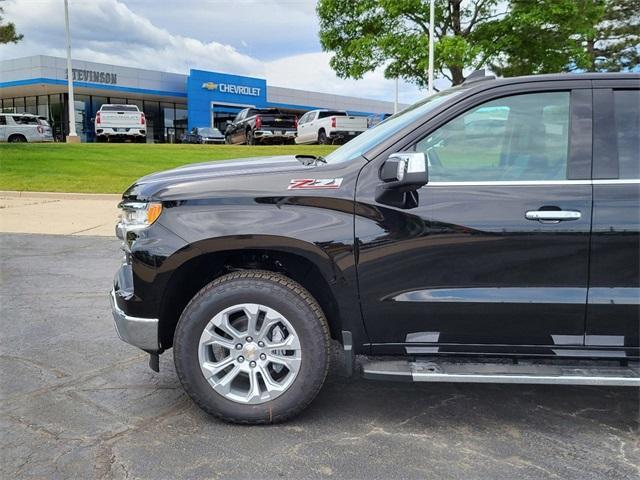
[{"x": 137, "y": 215}]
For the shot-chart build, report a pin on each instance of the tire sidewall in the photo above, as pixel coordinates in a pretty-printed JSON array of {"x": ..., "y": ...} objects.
[{"x": 314, "y": 348}]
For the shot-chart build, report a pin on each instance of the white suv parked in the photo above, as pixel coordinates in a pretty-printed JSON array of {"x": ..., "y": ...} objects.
[{"x": 24, "y": 127}]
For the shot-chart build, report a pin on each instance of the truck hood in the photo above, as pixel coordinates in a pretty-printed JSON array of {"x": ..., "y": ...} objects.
[{"x": 201, "y": 180}]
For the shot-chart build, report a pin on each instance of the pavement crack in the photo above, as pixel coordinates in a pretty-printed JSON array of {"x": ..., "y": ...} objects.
[{"x": 58, "y": 373}]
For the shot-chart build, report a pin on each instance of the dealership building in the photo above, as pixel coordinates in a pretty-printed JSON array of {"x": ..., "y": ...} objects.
[{"x": 171, "y": 102}]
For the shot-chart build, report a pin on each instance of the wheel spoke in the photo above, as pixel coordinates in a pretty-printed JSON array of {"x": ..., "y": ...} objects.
[
  {"x": 289, "y": 343},
  {"x": 223, "y": 324},
  {"x": 291, "y": 362},
  {"x": 210, "y": 337},
  {"x": 269, "y": 321},
  {"x": 224, "y": 385},
  {"x": 214, "y": 368},
  {"x": 252, "y": 312},
  {"x": 254, "y": 386},
  {"x": 270, "y": 383}
]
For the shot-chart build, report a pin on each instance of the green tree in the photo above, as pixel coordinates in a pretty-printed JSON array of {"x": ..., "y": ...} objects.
[
  {"x": 367, "y": 34},
  {"x": 614, "y": 44},
  {"x": 8, "y": 31},
  {"x": 592, "y": 35},
  {"x": 517, "y": 37}
]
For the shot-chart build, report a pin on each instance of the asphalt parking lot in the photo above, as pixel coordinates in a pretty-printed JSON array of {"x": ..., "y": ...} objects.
[{"x": 79, "y": 403}]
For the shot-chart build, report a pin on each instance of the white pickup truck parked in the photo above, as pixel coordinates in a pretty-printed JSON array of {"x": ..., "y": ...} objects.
[
  {"x": 329, "y": 126},
  {"x": 122, "y": 122}
]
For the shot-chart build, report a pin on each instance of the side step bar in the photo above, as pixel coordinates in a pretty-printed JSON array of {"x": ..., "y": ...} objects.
[{"x": 476, "y": 372}]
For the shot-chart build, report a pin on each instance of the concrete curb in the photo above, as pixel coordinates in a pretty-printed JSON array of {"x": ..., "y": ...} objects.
[{"x": 61, "y": 195}]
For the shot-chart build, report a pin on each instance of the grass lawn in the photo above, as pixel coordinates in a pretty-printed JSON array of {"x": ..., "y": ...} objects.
[{"x": 111, "y": 168}]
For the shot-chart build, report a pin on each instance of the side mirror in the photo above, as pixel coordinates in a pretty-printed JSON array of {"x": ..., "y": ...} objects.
[
  {"x": 402, "y": 175},
  {"x": 405, "y": 171}
]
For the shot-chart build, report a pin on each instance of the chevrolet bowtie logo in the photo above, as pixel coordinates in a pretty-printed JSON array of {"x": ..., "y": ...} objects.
[{"x": 210, "y": 86}]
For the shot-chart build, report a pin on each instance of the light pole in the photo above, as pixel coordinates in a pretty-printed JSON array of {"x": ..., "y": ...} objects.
[
  {"x": 73, "y": 136},
  {"x": 431, "y": 34},
  {"x": 395, "y": 103}
]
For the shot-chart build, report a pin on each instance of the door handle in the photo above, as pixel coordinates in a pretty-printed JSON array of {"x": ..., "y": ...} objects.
[{"x": 553, "y": 215}]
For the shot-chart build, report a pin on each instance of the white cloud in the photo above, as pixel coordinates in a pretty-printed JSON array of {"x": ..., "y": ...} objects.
[{"x": 108, "y": 31}]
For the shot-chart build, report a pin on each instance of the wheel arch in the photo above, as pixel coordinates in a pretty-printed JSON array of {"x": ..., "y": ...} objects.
[
  {"x": 14, "y": 136},
  {"x": 303, "y": 262}
]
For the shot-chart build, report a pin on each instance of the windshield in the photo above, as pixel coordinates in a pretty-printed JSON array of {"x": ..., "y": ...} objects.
[
  {"x": 376, "y": 135},
  {"x": 209, "y": 131}
]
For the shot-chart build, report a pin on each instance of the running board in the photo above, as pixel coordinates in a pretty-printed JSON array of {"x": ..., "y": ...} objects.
[{"x": 527, "y": 373}]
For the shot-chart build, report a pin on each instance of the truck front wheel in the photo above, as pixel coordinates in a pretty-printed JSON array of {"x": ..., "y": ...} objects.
[{"x": 252, "y": 347}]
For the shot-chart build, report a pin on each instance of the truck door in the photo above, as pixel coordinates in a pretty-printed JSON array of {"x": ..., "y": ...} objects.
[
  {"x": 495, "y": 253},
  {"x": 3, "y": 128},
  {"x": 303, "y": 127},
  {"x": 613, "y": 312}
]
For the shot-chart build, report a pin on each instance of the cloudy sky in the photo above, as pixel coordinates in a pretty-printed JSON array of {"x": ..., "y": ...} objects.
[{"x": 272, "y": 39}]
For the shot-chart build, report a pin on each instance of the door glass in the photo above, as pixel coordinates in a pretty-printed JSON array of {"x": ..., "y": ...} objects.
[
  {"x": 522, "y": 137},
  {"x": 627, "y": 118}
]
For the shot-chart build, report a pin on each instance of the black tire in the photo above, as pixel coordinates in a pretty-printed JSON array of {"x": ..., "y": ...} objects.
[
  {"x": 322, "y": 138},
  {"x": 280, "y": 293},
  {"x": 17, "y": 138},
  {"x": 251, "y": 140}
]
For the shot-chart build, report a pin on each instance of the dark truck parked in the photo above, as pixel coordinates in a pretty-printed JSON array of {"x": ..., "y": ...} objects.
[
  {"x": 261, "y": 125},
  {"x": 436, "y": 253}
]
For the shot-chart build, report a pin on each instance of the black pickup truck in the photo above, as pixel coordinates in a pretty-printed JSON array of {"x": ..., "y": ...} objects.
[
  {"x": 489, "y": 233},
  {"x": 254, "y": 126}
]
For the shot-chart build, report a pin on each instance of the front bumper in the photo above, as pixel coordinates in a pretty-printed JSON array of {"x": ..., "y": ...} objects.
[{"x": 139, "y": 332}]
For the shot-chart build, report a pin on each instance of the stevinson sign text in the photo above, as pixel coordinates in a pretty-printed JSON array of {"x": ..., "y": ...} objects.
[{"x": 95, "y": 76}]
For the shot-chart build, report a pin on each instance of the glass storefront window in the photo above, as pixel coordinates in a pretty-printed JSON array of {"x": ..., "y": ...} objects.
[
  {"x": 138, "y": 103},
  {"x": 169, "y": 114},
  {"x": 180, "y": 122},
  {"x": 84, "y": 125},
  {"x": 57, "y": 116},
  {"x": 31, "y": 105},
  {"x": 7, "y": 105},
  {"x": 166, "y": 121},
  {"x": 18, "y": 105},
  {"x": 96, "y": 103},
  {"x": 43, "y": 106},
  {"x": 155, "y": 127}
]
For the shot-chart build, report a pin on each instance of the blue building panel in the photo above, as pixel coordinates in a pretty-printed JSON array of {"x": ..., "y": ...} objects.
[{"x": 205, "y": 88}]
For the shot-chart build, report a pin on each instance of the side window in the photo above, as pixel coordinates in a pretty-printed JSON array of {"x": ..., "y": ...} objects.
[
  {"x": 25, "y": 120},
  {"x": 304, "y": 119},
  {"x": 626, "y": 104},
  {"x": 3, "y": 120},
  {"x": 521, "y": 137},
  {"x": 240, "y": 116}
]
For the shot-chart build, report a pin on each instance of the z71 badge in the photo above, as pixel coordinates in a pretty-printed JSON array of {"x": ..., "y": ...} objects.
[{"x": 314, "y": 183}]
